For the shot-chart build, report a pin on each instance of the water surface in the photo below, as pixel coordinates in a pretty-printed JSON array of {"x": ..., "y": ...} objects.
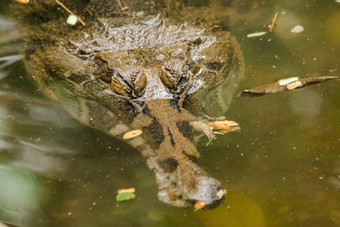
[{"x": 282, "y": 169}]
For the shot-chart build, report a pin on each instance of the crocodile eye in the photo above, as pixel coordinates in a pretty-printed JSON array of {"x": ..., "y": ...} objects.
[
  {"x": 168, "y": 79},
  {"x": 139, "y": 84},
  {"x": 175, "y": 75},
  {"x": 107, "y": 78},
  {"x": 195, "y": 70},
  {"x": 174, "y": 82},
  {"x": 118, "y": 84}
]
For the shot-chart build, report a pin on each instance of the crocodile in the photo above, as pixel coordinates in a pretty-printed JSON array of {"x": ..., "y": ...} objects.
[{"x": 142, "y": 70}]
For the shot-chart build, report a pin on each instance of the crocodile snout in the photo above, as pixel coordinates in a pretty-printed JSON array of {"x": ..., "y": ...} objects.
[{"x": 208, "y": 190}]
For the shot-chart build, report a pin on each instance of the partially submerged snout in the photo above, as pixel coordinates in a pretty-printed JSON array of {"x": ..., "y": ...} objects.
[
  {"x": 181, "y": 181},
  {"x": 208, "y": 190},
  {"x": 186, "y": 191},
  {"x": 198, "y": 186}
]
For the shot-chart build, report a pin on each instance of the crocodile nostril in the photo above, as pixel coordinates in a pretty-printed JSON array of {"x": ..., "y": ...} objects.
[{"x": 107, "y": 78}]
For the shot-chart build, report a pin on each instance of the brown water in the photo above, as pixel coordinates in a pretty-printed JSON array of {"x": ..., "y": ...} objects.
[{"x": 282, "y": 169}]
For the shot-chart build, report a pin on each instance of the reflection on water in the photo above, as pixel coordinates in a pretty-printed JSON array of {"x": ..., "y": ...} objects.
[{"x": 282, "y": 169}]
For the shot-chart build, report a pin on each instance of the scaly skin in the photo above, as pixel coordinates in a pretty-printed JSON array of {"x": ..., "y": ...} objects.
[{"x": 147, "y": 74}]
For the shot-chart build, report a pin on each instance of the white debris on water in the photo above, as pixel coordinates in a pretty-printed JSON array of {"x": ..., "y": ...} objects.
[
  {"x": 297, "y": 29},
  {"x": 72, "y": 19},
  {"x": 256, "y": 34},
  {"x": 286, "y": 81}
]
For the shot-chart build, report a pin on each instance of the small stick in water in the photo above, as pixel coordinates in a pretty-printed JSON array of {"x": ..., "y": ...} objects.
[
  {"x": 273, "y": 22},
  {"x": 62, "y": 5}
]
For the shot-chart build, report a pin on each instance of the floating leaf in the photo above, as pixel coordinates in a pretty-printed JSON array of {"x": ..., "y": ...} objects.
[
  {"x": 199, "y": 205},
  {"x": 286, "y": 85},
  {"x": 23, "y": 1},
  {"x": 219, "y": 125},
  {"x": 131, "y": 190},
  {"x": 125, "y": 196},
  {"x": 131, "y": 134},
  {"x": 293, "y": 85},
  {"x": 224, "y": 126}
]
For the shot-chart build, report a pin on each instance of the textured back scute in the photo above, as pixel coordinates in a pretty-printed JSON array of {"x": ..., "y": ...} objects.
[{"x": 154, "y": 33}]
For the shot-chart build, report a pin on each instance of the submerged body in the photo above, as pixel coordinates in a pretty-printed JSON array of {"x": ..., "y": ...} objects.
[{"x": 147, "y": 73}]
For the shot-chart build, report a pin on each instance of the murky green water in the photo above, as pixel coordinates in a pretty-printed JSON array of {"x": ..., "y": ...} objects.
[{"x": 282, "y": 169}]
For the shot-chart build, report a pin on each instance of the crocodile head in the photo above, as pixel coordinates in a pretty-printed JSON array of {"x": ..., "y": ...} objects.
[
  {"x": 149, "y": 76},
  {"x": 169, "y": 82}
]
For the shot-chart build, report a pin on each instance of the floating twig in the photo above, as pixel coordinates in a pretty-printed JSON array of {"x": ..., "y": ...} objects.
[
  {"x": 273, "y": 22},
  {"x": 287, "y": 84},
  {"x": 69, "y": 11},
  {"x": 256, "y": 34}
]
